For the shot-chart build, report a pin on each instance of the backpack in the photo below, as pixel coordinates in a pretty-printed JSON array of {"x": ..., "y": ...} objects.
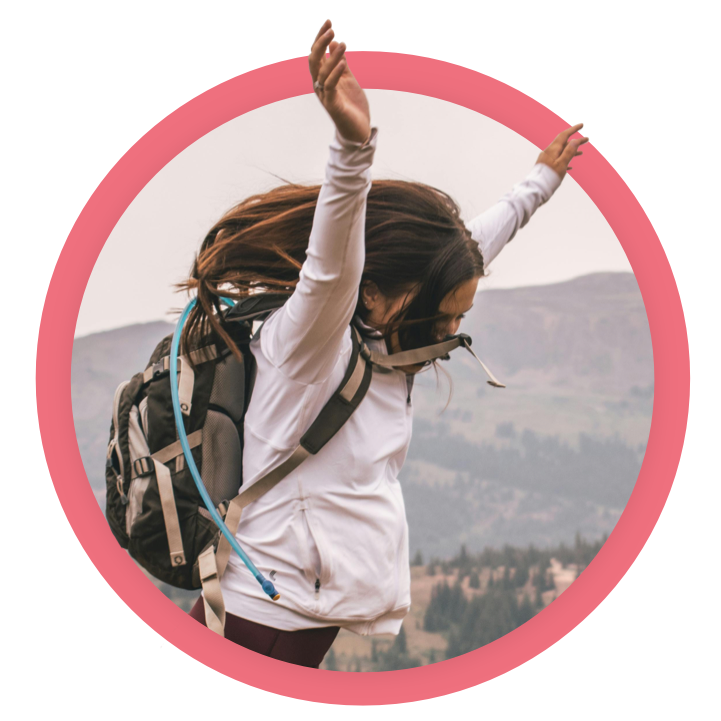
[{"x": 153, "y": 505}]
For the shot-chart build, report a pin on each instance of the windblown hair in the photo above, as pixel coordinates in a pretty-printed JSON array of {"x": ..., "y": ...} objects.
[{"x": 416, "y": 245}]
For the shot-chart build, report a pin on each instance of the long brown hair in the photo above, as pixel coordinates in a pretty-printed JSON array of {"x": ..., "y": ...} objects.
[{"x": 415, "y": 244}]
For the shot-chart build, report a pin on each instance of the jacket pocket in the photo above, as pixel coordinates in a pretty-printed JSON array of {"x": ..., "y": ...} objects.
[{"x": 311, "y": 543}]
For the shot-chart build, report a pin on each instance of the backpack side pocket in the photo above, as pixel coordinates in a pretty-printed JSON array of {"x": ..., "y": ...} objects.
[
  {"x": 138, "y": 447},
  {"x": 115, "y": 497}
]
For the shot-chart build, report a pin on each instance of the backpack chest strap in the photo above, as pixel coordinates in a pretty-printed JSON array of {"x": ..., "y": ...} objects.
[{"x": 143, "y": 466}]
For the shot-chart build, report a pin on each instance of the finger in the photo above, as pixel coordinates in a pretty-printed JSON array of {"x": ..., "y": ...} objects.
[
  {"x": 321, "y": 30},
  {"x": 569, "y": 152},
  {"x": 318, "y": 51},
  {"x": 566, "y": 134},
  {"x": 330, "y": 63},
  {"x": 559, "y": 142},
  {"x": 578, "y": 143},
  {"x": 334, "y": 77},
  {"x": 318, "y": 48}
]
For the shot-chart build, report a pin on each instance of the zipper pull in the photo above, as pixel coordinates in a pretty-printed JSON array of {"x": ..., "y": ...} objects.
[
  {"x": 119, "y": 487},
  {"x": 317, "y": 587}
]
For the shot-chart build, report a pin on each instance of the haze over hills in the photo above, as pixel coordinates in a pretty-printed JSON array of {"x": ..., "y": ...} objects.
[
  {"x": 555, "y": 453},
  {"x": 589, "y": 332}
]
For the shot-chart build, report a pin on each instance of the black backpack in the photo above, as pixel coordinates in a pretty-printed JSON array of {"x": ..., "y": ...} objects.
[{"x": 154, "y": 507}]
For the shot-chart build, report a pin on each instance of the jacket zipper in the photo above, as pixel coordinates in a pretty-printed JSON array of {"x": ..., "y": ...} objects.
[
  {"x": 312, "y": 538},
  {"x": 408, "y": 380},
  {"x": 322, "y": 565}
]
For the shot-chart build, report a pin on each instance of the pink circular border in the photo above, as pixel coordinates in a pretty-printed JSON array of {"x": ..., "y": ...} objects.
[{"x": 387, "y": 71}]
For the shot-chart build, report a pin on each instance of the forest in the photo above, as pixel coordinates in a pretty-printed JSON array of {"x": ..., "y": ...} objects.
[{"x": 474, "y": 600}]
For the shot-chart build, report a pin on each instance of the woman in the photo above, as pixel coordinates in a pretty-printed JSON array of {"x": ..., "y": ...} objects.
[{"x": 396, "y": 255}]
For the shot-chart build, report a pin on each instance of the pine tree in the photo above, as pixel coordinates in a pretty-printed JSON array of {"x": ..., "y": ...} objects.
[
  {"x": 506, "y": 582},
  {"x": 540, "y": 579},
  {"x": 521, "y": 576},
  {"x": 417, "y": 559},
  {"x": 331, "y": 663},
  {"x": 465, "y": 563},
  {"x": 525, "y": 610},
  {"x": 397, "y": 658},
  {"x": 457, "y": 602},
  {"x": 401, "y": 642},
  {"x": 474, "y": 581}
]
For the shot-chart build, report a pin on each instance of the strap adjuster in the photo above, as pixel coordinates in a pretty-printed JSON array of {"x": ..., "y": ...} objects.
[
  {"x": 143, "y": 466},
  {"x": 365, "y": 351}
]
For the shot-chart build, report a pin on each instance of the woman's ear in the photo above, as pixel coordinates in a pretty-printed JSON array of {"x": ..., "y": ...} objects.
[{"x": 370, "y": 294}]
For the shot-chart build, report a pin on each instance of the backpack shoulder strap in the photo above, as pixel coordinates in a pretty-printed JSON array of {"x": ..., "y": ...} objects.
[
  {"x": 254, "y": 307},
  {"x": 343, "y": 402}
]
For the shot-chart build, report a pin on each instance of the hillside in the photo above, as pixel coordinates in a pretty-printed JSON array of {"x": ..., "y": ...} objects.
[{"x": 556, "y": 452}]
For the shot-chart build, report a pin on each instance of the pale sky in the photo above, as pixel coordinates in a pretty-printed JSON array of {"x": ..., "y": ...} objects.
[{"x": 474, "y": 159}]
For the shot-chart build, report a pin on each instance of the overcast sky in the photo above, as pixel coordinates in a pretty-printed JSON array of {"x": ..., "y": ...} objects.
[{"x": 471, "y": 157}]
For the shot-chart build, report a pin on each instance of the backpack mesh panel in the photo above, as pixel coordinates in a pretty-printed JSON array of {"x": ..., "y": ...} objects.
[
  {"x": 222, "y": 457},
  {"x": 228, "y": 387}
]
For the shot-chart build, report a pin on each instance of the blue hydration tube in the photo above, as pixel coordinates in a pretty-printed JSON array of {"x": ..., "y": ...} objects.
[{"x": 265, "y": 584}]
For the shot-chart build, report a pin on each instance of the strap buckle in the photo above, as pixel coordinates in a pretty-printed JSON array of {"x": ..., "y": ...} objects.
[
  {"x": 158, "y": 369},
  {"x": 143, "y": 466}
]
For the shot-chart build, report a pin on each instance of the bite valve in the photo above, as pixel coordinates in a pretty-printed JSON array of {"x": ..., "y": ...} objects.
[{"x": 269, "y": 588}]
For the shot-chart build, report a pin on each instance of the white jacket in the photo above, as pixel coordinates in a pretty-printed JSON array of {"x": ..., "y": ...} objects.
[{"x": 334, "y": 532}]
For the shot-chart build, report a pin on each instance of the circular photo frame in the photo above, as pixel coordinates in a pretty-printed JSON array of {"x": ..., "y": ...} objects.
[{"x": 383, "y": 71}]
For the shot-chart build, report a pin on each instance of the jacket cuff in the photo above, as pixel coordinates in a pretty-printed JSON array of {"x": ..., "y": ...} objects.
[
  {"x": 353, "y": 145},
  {"x": 547, "y": 178}
]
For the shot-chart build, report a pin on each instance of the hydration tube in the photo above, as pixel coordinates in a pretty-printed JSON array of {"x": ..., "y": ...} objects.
[{"x": 265, "y": 584}]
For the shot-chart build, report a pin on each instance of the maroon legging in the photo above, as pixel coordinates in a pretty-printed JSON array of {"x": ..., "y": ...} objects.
[{"x": 303, "y": 648}]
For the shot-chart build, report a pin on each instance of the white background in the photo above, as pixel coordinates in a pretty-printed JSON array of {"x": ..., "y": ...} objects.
[{"x": 471, "y": 157}]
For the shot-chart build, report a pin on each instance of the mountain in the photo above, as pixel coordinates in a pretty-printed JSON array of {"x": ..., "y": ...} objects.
[
  {"x": 590, "y": 332},
  {"x": 101, "y": 362},
  {"x": 556, "y": 452}
]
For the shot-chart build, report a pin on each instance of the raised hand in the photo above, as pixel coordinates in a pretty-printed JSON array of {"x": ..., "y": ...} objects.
[
  {"x": 336, "y": 87},
  {"x": 562, "y": 150}
]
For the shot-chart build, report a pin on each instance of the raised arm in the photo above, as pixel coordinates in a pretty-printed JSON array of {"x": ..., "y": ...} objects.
[
  {"x": 499, "y": 224},
  {"x": 304, "y": 337}
]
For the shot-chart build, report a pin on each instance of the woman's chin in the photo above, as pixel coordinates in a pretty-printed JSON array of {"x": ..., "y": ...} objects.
[{"x": 412, "y": 370}]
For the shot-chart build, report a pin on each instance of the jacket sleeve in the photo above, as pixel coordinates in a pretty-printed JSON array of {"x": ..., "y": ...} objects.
[
  {"x": 303, "y": 338},
  {"x": 497, "y": 226}
]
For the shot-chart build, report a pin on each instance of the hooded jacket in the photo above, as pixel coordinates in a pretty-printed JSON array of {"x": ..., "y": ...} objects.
[{"x": 333, "y": 534}]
